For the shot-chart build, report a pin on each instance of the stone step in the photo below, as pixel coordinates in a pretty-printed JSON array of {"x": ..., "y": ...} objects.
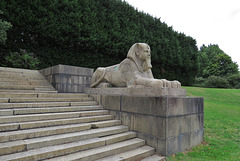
[
  {"x": 49, "y": 116},
  {"x": 39, "y": 110},
  {"x": 17, "y": 70},
  {"x": 21, "y": 77},
  {"x": 154, "y": 158},
  {"x": 62, "y": 95},
  {"x": 47, "y": 131},
  {"x": 25, "y": 91},
  {"x": 53, "y": 151},
  {"x": 56, "y": 122},
  {"x": 132, "y": 155},
  {"x": 117, "y": 133},
  {"x": 16, "y": 79},
  {"x": 103, "y": 151},
  {"x": 3, "y": 100},
  {"x": 21, "y": 74},
  {"x": 17, "y": 95},
  {"x": 42, "y": 99},
  {"x": 45, "y": 104},
  {"x": 26, "y": 87},
  {"x": 35, "y": 95},
  {"x": 40, "y": 83}
]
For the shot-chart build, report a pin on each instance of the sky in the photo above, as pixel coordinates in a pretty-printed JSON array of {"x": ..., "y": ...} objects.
[{"x": 207, "y": 21}]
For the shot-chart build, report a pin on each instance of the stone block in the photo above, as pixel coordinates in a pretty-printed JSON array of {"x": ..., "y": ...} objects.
[
  {"x": 128, "y": 120},
  {"x": 196, "y": 121},
  {"x": 155, "y": 126},
  {"x": 177, "y": 106},
  {"x": 155, "y": 106},
  {"x": 111, "y": 102},
  {"x": 178, "y": 125},
  {"x": 196, "y": 105},
  {"x": 56, "y": 78},
  {"x": 196, "y": 137},
  {"x": 150, "y": 140},
  {"x": 55, "y": 69},
  {"x": 74, "y": 79},
  {"x": 177, "y": 144},
  {"x": 6, "y": 112},
  {"x": 116, "y": 114}
]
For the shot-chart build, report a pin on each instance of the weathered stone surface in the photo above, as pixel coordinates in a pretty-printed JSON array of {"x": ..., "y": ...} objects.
[
  {"x": 101, "y": 152},
  {"x": 109, "y": 101},
  {"x": 148, "y": 91},
  {"x": 168, "y": 123},
  {"x": 6, "y": 112},
  {"x": 144, "y": 105},
  {"x": 150, "y": 125},
  {"x": 178, "y": 125},
  {"x": 68, "y": 79},
  {"x": 134, "y": 71}
]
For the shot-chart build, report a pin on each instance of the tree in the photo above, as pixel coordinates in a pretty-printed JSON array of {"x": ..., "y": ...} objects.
[
  {"x": 4, "y": 26},
  {"x": 213, "y": 61},
  {"x": 93, "y": 33}
]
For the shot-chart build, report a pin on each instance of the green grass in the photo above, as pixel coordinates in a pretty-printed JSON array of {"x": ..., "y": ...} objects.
[{"x": 221, "y": 125}]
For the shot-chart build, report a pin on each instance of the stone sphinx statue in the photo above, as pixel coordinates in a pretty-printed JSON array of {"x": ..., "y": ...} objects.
[{"x": 134, "y": 71}]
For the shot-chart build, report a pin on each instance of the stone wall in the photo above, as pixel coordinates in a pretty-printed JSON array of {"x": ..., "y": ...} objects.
[
  {"x": 171, "y": 124},
  {"x": 68, "y": 79}
]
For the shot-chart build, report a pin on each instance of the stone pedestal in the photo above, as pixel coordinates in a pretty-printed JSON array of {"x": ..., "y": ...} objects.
[
  {"x": 168, "y": 121},
  {"x": 68, "y": 79}
]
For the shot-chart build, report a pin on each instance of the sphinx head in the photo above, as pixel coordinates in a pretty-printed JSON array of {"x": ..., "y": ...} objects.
[{"x": 140, "y": 53}]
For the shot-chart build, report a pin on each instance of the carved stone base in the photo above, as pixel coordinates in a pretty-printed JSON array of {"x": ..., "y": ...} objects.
[{"x": 171, "y": 124}]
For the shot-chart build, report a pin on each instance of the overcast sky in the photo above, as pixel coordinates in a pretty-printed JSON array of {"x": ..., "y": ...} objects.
[{"x": 207, "y": 21}]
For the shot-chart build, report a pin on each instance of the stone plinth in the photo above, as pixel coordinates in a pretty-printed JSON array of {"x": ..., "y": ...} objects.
[
  {"x": 68, "y": 79},
  {"x": 170, "y": 123}
]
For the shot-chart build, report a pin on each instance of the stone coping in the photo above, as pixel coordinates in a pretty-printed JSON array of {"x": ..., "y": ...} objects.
[{"x": 137, "y": 91}]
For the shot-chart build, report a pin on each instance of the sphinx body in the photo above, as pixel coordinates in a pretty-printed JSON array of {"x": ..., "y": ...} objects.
[{"x": 134, "y": 71}]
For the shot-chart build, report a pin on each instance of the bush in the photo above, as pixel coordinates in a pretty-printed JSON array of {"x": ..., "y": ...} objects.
[
  {"x": 22, "y": 59},
  {"x": 217, "y": 82},
  {"x": 234, "y": 80},
  {"x": 199, "y": 82}
]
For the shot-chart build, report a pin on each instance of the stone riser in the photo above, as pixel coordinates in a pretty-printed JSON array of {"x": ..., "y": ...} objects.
[
  {"x": 48, "y": 131},
  {"x": 49, "y": 123},
  {"x": 23, "y": 79},
  {"x": 39, "y": 110},
  {"x": 40, "y": 83},
  {"x": 45, "y": 104},
  {"x": 26, "y": 87},
  {"x": 132, "y": 155},
  {"x": 25, "y": 91},
  {"x": 118, "y": 133},
  {"x": 26, "y": 100},
  {"x": 35, "y": 95},
  {"x": 49, "y": 116},
  {"x": 102, "y": 150}
]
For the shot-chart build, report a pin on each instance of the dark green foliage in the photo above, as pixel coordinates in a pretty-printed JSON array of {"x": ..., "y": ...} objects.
[
  {"x": 217, "y": 82},
  {"x": 92, "y": 33},
  {"x": 234, "y": 80},
  {"x": 199, "y": 82},
  {"x": 22, "y": 59},
  {"x": 4, "y": 26},
  {"x": 213, "y": 61}
]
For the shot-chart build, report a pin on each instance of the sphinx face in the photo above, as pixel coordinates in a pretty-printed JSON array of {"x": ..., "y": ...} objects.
[{"x": 145, "y": 56}]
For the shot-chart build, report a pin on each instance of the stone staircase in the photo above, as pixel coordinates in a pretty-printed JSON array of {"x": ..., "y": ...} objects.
[{"x": 37, "y": 123}]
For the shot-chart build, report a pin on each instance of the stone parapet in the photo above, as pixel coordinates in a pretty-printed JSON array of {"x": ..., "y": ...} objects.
[
  {"x": 171, "y": 124},
  {"x": 68, "y": 79},
  {"x": 135, "y": 91}
]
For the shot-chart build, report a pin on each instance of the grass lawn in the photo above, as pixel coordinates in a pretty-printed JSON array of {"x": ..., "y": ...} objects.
[{"x": 221, "y": 125}]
